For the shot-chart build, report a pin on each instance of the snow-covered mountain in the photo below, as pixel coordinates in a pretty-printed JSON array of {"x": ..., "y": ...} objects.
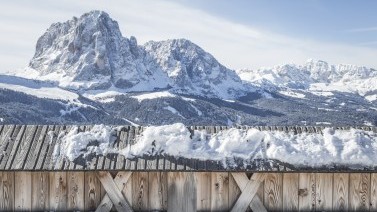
[
  {"x": 85, "y": 72},
  {"x": 90, "y": 52},
  {"x": 316, "y": 76}
]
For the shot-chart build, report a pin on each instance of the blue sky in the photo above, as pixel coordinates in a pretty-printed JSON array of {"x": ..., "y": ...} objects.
[
  {"x": 239, "y": 33},
  {"x": 352, "y": 21}
]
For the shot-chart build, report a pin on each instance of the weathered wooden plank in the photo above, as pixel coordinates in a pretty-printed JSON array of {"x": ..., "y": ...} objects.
[
  {"x": 140, "y": 191},
  {"x": 52, "y": 138},
  {"x": 22, "y": 191},
  {"x": 6, "y": 191},
  {"x": 290, "y": 192},
  {"x": 373, "y": 192},
  {"x": 58, "y": 191},
  {"x": 203, "y": 195},
  {"x": 24, "y": 147},
  {"x": 181, "y": 191},
  {"x": 120, "y": 181},
  {"x": 324, "y": 191},
  {"x": 241, "y": 179},
  {"x": 43, "y": 148},
  {"x": 8, "y": 150},
  {"x": 219, "y": 191},
  {"x": 249, "y": 192},
  {"x": 92, "y": 191},
  {"x": 340, "y": 192},
  {"x": 234, "y": 191},
  {"x": 359, "y": 191},
  {"x": 127, "y": 189},
  {"x": 306, "y": 192},
  {"x": 113, "y": 191},
  {"x": 40, "y": 191},
  {"x": 122, "y": 144},
  {"x": 76, "y": 191},
  {"x": 35, "y": 149},
  {"x": 273, "y": 191},
  {"x": 157, "y": 194}
]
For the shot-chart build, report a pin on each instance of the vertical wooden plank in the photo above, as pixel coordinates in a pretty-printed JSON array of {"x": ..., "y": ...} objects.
[
  {"x": 181, "y": 191},
  {"x": 203, "y": 193},
  {"x": 127, "y": 190},
  {"x": 76, "y": 191},
  {"x": 140, "y": 191},
  {"x": 306, "y": 192},
  {"x": 373, "y": 192},
  {"x": 92, "y": 191},
  {"x": 324, "y": 189},
  {"x": 22, "y": 191},
  {"x": 40, "y": 191},
  {"x": 340, "y": 192},
  {"x": 359, "y": 192},
  {"x": 58, "y": 191},
  {"x": 6, "y": 191},
  {"x": 290, "y": 192},
  {"x": 157, "y": 194},
  {"x": 219, "y": 191},
  {"x": 234, "y": 192},
  {"x": 273, "y": 191}
]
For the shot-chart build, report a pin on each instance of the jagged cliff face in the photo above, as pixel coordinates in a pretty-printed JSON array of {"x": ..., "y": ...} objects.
[
  {"x": 90, "y": 53},
  {"x": 316, "y": 75},
  {"x": 192, "y": 70}
]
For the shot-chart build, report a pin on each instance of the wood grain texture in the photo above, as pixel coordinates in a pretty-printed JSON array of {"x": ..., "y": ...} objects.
[
  {"x": 58, "y": 191},
  {"x": 340, "y": 192},
  {"x": 120, "y": 181},
  {"x": 6, "y": 191},
  {"x": 273, "y": 191},
  {"x": 24, "y": 147},
  {"x": 373, "y": 192},
  {"x": 22, "y": 192},
  {"x": 140, "y": 191},
  {"x": 306, "y": 192},
  {"x": 181, "y": 191},
  {"x": 248, "y": 192},
  {"x": 92, "y": 191},
  {"x": 290, "y": 192},
  {"x": 158, "y": 191},
  {"x": 242, "y": 180},
  {"x": 113, "y": 191},
  {"x": 203, "y": 194},
  {"x": 35, "y": 149},
  {"x": 359, "y": 192},
  {"x": 40, "y": 198},
  {"x": 76, "y": 189},
  {"x": 234, "y": 191},
  {"x": 219, "y": 191},
  {"x": 324, "y": 191}
]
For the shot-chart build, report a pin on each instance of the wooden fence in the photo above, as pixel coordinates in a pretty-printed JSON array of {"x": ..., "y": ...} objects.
[{"x": 188, "y": 191}]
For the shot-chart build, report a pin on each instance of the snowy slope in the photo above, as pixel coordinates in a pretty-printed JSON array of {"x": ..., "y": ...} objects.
[
  {"x": 194, "y": 71},
  {"x": 90, "y": 53},
  {"x": 316, "y": 76}
]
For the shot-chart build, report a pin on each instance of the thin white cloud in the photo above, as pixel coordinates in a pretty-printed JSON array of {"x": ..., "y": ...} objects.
[
  {"x": 366, "y": 29},
  {"x": 233, "y": 44}
]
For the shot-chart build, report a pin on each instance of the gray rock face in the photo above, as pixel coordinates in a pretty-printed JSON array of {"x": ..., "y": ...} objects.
[
  {"x": 90, "y": 53},
  {"x": 194, "y": 71}
]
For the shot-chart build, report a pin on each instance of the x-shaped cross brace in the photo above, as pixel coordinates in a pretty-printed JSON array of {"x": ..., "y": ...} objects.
[
  {"x": 114, "y": 189},
  {"x": 249, "y": 190}
]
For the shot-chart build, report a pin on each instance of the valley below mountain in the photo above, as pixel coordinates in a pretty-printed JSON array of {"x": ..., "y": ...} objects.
[{"x": 85, "y": 71}]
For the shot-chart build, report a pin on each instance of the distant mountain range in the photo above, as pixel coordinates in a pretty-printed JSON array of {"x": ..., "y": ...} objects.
[{"x": 84, "y": 71}]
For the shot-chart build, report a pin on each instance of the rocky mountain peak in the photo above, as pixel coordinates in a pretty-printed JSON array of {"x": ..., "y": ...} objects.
[{"x": 89, "y": 52}]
